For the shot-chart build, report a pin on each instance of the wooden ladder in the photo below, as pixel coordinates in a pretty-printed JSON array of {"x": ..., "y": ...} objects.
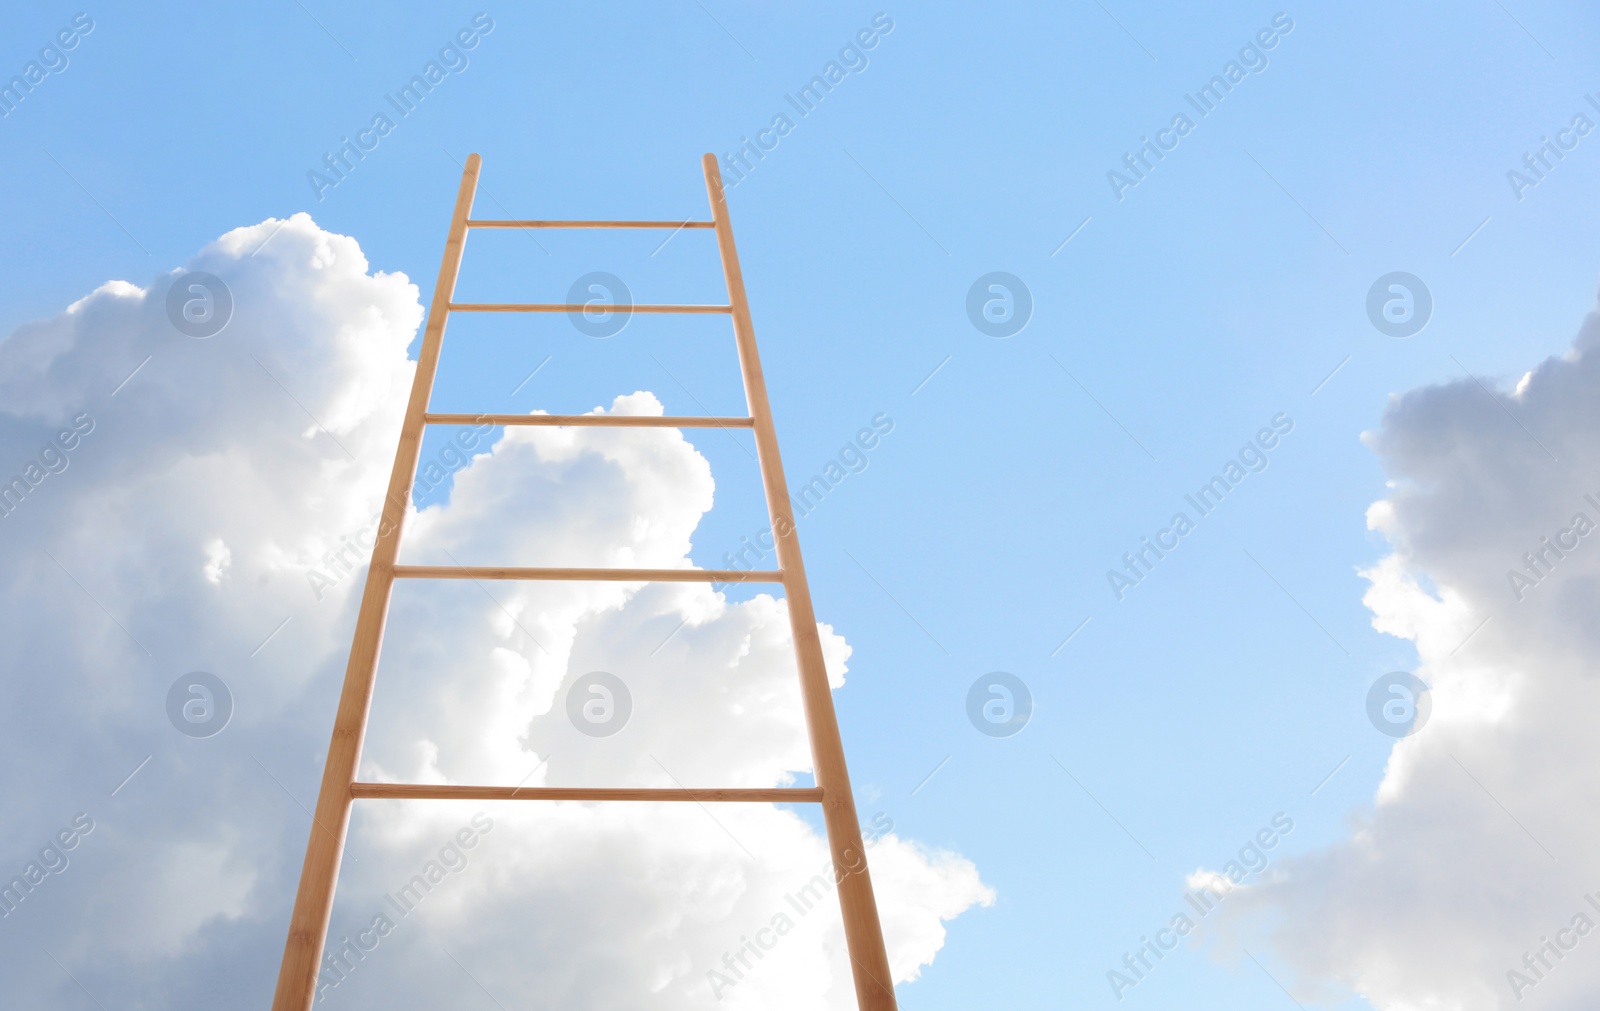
[{"x": 314, "y": 901}]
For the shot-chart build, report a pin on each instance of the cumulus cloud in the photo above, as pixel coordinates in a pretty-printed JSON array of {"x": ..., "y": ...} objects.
[
  {"x": 197, "y": 524},
  {"x": 1478, "y": 848}
]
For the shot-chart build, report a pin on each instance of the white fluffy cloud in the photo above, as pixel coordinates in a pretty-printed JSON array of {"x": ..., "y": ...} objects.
[
  {"x": 1480, "y": 842},
  {"x": 182, "y": 533}
]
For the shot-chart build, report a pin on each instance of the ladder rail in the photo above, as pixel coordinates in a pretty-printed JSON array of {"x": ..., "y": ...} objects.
[
  {"x": 313, "y": 904},
  {"x": 869, "y": 959}
]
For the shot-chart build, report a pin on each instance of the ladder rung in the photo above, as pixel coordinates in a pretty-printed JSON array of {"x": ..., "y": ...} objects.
[
  {"x": 586, "y": 575},
  {"x": 590, "y": 224},
  {"x": 565, "y": 307},
  {"x": 445, "y": 791},
  {"x": 604, "y": 420}
]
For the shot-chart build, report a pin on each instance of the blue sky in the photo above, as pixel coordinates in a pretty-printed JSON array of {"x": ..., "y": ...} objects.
[{"x": 1225, "y": 289}]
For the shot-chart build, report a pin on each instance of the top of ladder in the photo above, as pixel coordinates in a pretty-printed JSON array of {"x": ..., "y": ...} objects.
[{"x": 308, "y": 928}]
